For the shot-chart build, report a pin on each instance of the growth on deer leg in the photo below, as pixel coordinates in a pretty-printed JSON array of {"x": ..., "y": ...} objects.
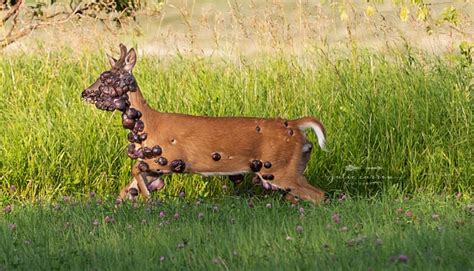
[
  {"x": 128, "y": 191},
  {"x": 137, "y": 175}
]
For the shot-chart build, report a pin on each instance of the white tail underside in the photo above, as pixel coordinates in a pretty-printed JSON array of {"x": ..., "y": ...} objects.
[{"x": 318, "y": 130}]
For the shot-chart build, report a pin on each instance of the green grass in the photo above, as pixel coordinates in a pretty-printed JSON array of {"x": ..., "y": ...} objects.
[
  {"x": 403, "y": 118},
  {"x": 397, "y": 124},
  {"x": 433, "y": 233}
]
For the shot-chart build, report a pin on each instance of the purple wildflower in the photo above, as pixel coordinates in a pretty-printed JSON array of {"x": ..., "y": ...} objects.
[
  {"x": 350, "y": 242},
  {"x": 342, "y": 197},
  {"x": 469, "y": 207},
  {"x": 92, "y": 194},
  {"x": 301, "y": 210},
  {"x": 109, "y": 220},
  {"x": 12, "y": 227},
  {"x": 162, "y": 214},
  {"x": 7, "y": 209},
  {"x": 12, "y": 188},
  {"x": 403, "y": 258},
  {"x": 336, "y": 218},
  {"x": 299, "y": 229}
]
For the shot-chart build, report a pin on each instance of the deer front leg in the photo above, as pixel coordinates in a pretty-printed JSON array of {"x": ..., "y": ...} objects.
[
  {"x": 130, "y": 190},
  {"x": 140, "y": 178},
  {"x": 140, "y": 183}
]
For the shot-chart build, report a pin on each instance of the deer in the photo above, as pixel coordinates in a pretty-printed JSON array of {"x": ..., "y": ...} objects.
[{"x": 275, "y": 150}]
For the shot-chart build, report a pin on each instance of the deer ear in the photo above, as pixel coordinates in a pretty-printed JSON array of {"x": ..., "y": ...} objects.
[
  {"x": 130, "y": 60},
  {"x": 123, "y": 52},
  {"x": 112, "y": 61}
]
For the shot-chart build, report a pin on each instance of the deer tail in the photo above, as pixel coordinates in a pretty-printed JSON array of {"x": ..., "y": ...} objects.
[{"x": 316, "y": 125}]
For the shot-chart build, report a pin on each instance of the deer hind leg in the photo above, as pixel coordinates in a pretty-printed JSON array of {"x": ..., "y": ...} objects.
[
  {"x": 299, "y": 186},
  {"x": 294, "y": 188},
  {"x": 301, "y": 189},
  {"x": 292, "y": 182}
]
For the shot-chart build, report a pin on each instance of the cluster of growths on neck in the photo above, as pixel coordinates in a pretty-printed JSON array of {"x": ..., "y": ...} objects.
[{"x": 131, "y": 120}]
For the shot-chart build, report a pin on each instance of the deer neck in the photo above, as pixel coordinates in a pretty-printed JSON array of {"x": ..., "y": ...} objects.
[{"x": 138, "y": 102}]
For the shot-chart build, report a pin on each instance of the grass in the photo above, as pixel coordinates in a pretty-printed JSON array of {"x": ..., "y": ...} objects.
[
  {"x": 225, "y": 234},
  {"x": 398, "y": 121},
  {"x": 398, "y": 124}
]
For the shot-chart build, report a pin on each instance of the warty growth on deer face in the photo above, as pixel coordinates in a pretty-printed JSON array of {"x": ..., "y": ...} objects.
[{"x": 275, "y": 151}]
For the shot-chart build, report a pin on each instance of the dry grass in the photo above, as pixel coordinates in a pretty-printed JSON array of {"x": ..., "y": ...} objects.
[{"x": 233, "y": 28}]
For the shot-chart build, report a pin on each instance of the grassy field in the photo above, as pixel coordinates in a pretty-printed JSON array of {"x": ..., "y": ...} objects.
[
  {"x": 391, "y": 81},
  {"x": 399, "y": 166},
  {"x": 398, "y": 121},
  {"x": 230, "y": 234}
]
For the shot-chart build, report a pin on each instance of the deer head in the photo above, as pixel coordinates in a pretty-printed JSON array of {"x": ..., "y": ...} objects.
[{"x": 109, "y": 92}]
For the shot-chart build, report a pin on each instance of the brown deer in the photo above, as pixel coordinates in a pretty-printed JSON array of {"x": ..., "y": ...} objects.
[{"x": 276, "y": 151}]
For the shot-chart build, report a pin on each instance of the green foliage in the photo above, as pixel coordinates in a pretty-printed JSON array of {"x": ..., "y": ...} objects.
[
  {"x": 383, "y": 234},
  {"x": 450, "y": 15},
  {"x": 402, "y": 121}
]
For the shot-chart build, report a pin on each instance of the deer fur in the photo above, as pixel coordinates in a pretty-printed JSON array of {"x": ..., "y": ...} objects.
[{"x": 275, "y": 150}]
